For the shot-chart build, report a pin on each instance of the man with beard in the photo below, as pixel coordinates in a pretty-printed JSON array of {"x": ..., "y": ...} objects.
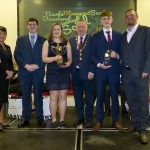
[{"x": 136, "y": 69}]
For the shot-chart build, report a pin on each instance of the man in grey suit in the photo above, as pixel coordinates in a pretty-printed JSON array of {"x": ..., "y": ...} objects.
[
  {"x": 28, "y": 55},
  {"x": 136, "y": 70}
]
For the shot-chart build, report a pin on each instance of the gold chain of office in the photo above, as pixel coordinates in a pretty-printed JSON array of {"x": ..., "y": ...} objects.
[{"x": 81, "y": 49}]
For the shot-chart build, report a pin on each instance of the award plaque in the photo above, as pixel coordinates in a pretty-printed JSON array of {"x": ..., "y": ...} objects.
[{"x": 107, "y": 58}]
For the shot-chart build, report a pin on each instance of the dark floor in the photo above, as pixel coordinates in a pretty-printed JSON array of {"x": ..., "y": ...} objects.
[{"x": 81, "y": 138}]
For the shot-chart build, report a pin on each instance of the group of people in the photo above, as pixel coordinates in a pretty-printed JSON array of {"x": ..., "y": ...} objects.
[{"x": 82, "y": 60}]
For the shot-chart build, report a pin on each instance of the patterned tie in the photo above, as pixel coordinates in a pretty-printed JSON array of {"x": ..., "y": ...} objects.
[
  {"x": 109, "y": 38},
  {"x": 32, "y": 40}
]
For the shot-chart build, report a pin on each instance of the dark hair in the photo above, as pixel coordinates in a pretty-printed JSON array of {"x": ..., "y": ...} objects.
[
  {"x": 106, "y": 13},
  {"x": 131, "y": 10},
  {"x": 62, "y": 37},
  {"x": 3, "y": 29},
  {"x": 33, "y": 19}
]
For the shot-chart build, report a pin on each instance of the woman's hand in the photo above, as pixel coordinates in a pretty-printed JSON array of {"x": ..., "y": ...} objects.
[{"x": 9, "y": 74}]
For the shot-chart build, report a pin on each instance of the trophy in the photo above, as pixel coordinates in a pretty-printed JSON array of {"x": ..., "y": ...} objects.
[
  {"x": 59, "y": 51},
  {"x": 107, "y": 58}
]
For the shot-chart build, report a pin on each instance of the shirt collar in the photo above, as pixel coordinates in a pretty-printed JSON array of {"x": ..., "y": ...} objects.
[
  {"x": 104, "y": 29},
  {"x": 33, "y": 34},
  {"x": 82, "y": 36},
  {"x": 133, "y": 29}
]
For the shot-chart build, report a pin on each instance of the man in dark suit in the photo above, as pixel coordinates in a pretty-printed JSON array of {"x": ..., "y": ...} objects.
[
  {"x": 82, "y": 79},
  {"x": 106, "y": 71},
  {"x": 28, "y": 55},
  {"x": 136, "y": 69}
]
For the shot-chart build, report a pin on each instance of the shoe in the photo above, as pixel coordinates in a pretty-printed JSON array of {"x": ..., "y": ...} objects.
[
  {"x": 62, "y": 124},
  {"x": 107, "y": 113},
  {"x": 41, "y": 122},
  {"x": 55, "y": 124},
  {"x": 1, "y": 130},
  {"x": 78, "y": 122},
  {"x": 97, "y": 126},
  {"x": 4, "y": 126},
  {"x": 88, "y": 124},
  {"x": 23, "y": 123},
  {"x": 143, "y": 139},
  {"x": 129, "y": 130},
  {"x": 117, "y": 125},
  {"x": 125, "y": 113}
]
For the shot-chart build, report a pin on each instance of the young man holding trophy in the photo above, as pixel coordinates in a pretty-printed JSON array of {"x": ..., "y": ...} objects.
[{"x": 105, "y": 55}]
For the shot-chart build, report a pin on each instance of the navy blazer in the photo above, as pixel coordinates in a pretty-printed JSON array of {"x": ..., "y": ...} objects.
[
  {"x": 98, "y": 49},
  {"x": 24, "y": 54},
  {"x": 85, "y": 63}
]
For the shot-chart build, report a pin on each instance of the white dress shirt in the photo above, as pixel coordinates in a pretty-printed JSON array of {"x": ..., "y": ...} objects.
[{"x": 130, "y": 33}]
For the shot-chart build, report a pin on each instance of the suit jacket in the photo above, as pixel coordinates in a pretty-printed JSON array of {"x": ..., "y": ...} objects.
[
  {"x": 85, "y": 63},
  {"x": 139, "y": 54},
  {"x": 5, "y": 60},
  {"x": 98, "y": 49},
  {"x": 24, "y": 54}
]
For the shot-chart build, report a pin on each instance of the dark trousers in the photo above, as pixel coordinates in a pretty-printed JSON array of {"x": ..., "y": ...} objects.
[
  {"x": 136, "y": 90},
  {"x": 122, "y": 95},
  {"x": 101, "y": 82},
  {"x": 81, "y": 87},
  {"x": 26, "y": 84}
]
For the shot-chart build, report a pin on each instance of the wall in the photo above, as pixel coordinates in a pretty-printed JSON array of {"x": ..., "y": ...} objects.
[
  {"x": 8, "y": 18},
  {"x": 143, "y": 11}
]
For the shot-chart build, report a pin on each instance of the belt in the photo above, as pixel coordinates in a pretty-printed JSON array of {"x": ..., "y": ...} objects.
[{"x": 128, "y": 68}]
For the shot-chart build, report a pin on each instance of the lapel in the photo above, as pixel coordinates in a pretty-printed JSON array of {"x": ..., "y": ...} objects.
[
  {"x": 102, "y": 36},
  {"x": 102, "y": 40},
  {"x": 135, "y": 35},
  {"x": 5, "y": 52},
  {"x": 27, "y": 42},
  {"x": 114, "y": 38},
  {"x": 75, "y": 43},
  {"x": 36, "y": 45}
]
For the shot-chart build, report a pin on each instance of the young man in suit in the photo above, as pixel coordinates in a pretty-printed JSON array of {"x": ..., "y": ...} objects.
[
  {"x": 82, "y": 79},
  {"x": 136, "y": 70},
  {"x": 28, "y": 55},
  {"x": 106, "y": 71}
]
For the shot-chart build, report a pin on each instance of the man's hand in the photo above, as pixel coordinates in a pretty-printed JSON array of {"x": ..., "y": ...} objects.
[
  {"x": 29, "y": 67},
  {"x": 90, "y": 76},
  {"x": 103, "y": 66},
  {"x": 113, "y": 54},
  {"x": 144, "y": 75}
]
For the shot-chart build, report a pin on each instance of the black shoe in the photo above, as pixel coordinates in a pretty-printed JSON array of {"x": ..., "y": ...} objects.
[
  {"x": 4, "y": 126},
  {"x": 125, "y": 113},
  {"x": 41, "y": 122},
  {"x": 88, "y": 124},
  {"x": 23, "y": 123},
  {"x": 62, "y": 124},
  {"x": 78, "y": 122},
  {"x": 55, "y": 124},
  {"x": 107, "y": 113},
  {"x": 1, "y": 130}
]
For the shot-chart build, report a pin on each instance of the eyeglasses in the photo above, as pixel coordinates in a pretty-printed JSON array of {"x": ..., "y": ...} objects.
[{"x": 130, "y": 16}]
